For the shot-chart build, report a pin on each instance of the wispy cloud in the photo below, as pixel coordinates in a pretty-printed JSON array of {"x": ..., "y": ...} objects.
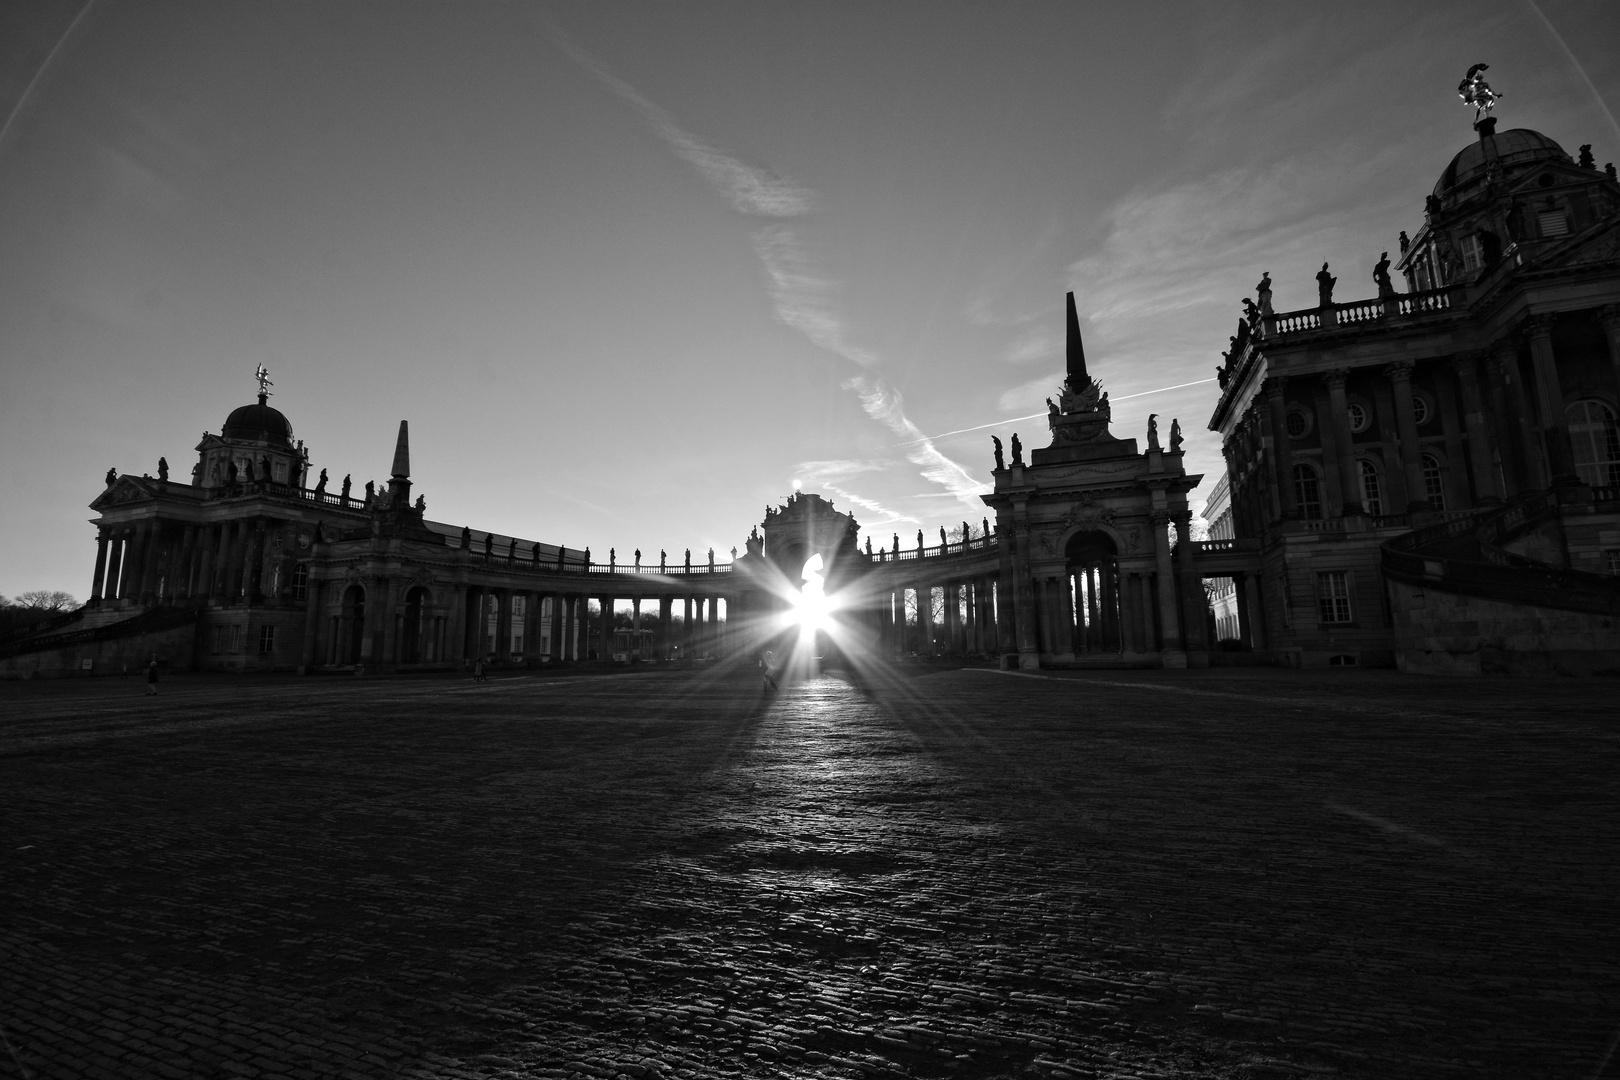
[
  {"x": 801, "y": 296},
  {"x": 749, "y": 190},
  {"x": 833, "y": 476},
  {"x": 884, "y": 404}
]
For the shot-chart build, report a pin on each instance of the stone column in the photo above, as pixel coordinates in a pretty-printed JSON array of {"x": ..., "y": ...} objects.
[
  {"x": 134, "y": 583},
  {"x": 1479, "y": 443},
  {"x": 1550, "y": 399},
  {"x": 503, "y": 623},
  {"x": 115, "y": 563},
  {"x": 1125, "y": 590},
  {"x": 925, "y": 620},
  {"x": 184, "y": 571},
  {"x": 455, "y": 645},
  {"x": 1349, "y": 468},
  {"x": 312, "y": 622},
  {"x": 101, "y": 566},
  {"x": 554, "y": 644},
  {"x": 253, "y": 566},
  {"x": 369, "y": 628},
  {"x": 604, "y": 647},
  {"x": 1519, "y": 467},
  {"x": 1609, "y": 319},
  {"x": 1173, "y": 654},
  {"x": 952, "y": 618},
  {"x": 1023, "y": 601},
  {"x": 1282, "y": 458},
  {"x": 1194, "y": 620},
  {"x": 1400, "y": 382},
  {"x": 1253, "y": 611}
]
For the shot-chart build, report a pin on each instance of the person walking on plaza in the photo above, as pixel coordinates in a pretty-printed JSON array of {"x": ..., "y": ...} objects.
[
  {"x": 478, "y": 670},
  {"x": 151, "y": 678}
]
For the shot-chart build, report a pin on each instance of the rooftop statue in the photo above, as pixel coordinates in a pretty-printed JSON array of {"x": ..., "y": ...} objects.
[
  {"x": 262, "y": 373},
  {"x": 1475, "y": 91},
  {"x": 112, "y": 477},
  {"x": 1153, "y": 432},
  {"x": 320, "y": 485},
  {"x": 1000, "y": 464},
  {"x": 1251, "y": 314},
  {"x": 1263, "y": 293},
  {"x": 348, "y": 482},
  {"x": 163, "y": 468},
  {"x": 1018, "y": 450},
  {"x": 1381, "y": 276},
  {"x": 1324, "y": 286},
  {"x": 1175, "y": 436},
  {"x": 1406, "y": 242}
]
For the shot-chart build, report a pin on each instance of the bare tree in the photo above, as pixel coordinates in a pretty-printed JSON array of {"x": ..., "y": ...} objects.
[{"x": 48, "y": 602}]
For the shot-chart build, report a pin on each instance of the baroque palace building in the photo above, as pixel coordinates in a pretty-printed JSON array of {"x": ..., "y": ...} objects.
[{"x": 1428, "y": 478}]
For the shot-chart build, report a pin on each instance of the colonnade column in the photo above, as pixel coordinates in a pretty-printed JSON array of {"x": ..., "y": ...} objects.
[
  {"x": 312, "y": 623},
  {"x": 1550, "y": 398},
  {"x": 604, "y": 646},
  {"x": 1127, "y": 616},
  {"x": 1194, "y": 611},
  {"x": 925, "y": 619},
  {"x": 1513, "y": 437},
  {"x": 1479, "y": 443},
  {"x": 951, "y": 599},
  {"x": 1609, "y": 319},
  {"x": 101, "y": 566},
  {"x": 1349, "y": 468},
  {"x": 1171, "y": 653},
  {"x": 503, "y": 624},
  {"x": 1282, "y": 479},
  {"x": 1400, "y": 381},
  {"x": 666, "y": 605}
]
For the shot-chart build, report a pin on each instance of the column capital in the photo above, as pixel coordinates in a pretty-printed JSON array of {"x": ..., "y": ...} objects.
[
  {"x": 1462, "y": 363},
  {"x": 1608, "y": 317},
  {"x": 1159, "y": 518},
  {"x": 1336, "y": 378},
  {"x": 1399, "y": 372},
  {"x": 1273, "y": 386},
  {"x": 1540, "y": 325}
]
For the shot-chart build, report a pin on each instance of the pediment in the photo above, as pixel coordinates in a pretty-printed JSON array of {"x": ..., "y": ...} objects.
[{"x": 126, "y": 490}]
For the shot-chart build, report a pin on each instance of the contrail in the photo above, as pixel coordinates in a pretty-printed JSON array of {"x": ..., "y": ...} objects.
[
  {"x": 1576, "y": 64},
  {"x": 23, "y": 100},
  {"x": 1036, "y": 416}
]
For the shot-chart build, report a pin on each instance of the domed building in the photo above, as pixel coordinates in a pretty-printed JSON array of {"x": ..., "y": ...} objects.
[{"x": 1430, "y": 477}]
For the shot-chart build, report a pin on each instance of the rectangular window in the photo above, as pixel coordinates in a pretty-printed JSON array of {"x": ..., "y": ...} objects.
[
  {"x": 1333, "y": 596},
  {"x": 222, "y": 639},
  {"x": 1472, "y": 253},
  {"x": 300, "y": 581},
  {"x": 267, "y": 640},
  {"x": 1611, "y": 561},
  {"x": 236, "y": 640},
  {"x": 280, "y": 469}
]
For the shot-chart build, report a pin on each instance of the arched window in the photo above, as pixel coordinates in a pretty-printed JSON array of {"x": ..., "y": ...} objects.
[
  {"x": 1596, "y": 441},
  {"x": 1372, "y": 490},
  {"x": 1307, "y": 493},
  {"x": 1434, "y": 487}
]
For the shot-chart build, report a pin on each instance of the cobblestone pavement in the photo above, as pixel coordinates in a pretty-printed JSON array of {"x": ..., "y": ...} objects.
[{"x": 958, "y": 873}]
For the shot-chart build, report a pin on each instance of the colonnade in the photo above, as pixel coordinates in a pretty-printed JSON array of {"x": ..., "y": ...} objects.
[
  {"x": 163, "y": 561},
  {"x": 374, "y": 620}
]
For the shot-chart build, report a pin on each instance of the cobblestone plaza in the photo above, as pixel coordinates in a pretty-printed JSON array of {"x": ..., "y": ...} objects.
[{"x": 959, "y": 873}]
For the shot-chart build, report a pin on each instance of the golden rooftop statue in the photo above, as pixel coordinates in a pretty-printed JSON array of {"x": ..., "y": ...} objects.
[
  {"x": 1475, "y": 91},
  {"x": 262, "y": 373}
]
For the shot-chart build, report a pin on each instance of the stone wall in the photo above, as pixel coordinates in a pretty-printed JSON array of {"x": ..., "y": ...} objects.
[
  {"x": 1441, "y": 633},
  {"x": 174, "y": 649}
]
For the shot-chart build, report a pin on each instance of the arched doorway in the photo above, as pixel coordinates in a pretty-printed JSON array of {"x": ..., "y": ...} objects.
[
  {"x": 411, "y": 650},
  {"x": 1093, "y": 593},
  {"x": 351, "y": 624}
]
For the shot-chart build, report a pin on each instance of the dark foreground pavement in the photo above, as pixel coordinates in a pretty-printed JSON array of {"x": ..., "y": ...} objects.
[{"x": 960, "y": 874}]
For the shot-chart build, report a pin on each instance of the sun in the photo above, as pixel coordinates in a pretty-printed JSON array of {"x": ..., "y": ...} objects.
[{"x": 812, "y": 607}]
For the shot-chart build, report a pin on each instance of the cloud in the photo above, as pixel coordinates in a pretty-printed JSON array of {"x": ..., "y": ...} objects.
[
  {"x": 884, "y": 404},
  {"x": 802, "y": 298},
  {"x": 749, "y": 190}
]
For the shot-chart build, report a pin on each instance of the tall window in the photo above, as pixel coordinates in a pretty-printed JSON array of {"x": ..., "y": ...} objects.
[
  {"x": 1473, "y": 253},
  {"x": 267, "y": 640},
  {"x": 1434, "y": 487},
  {"x": 1596, "y": 441},
  {"x": 1307, "y": 493},
  {"x": 300, "y": 581},
  {"x": 1333, "y": 596},
  {"x": 1372, "y": 492}
]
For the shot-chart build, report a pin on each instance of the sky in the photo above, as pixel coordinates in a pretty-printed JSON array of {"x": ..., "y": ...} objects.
[{"x": 635, "y": 271}]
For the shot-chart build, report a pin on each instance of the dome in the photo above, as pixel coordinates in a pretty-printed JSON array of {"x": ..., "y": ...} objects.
[
  {"x": 258, "y": 423},
  {"x": 1514, "y": 148}
]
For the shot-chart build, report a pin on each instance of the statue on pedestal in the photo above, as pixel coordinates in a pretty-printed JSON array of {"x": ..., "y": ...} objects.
[
  {"x": 1153, "y": 432},
  {"x": 421, "y": 504},
  {"x": 163, "y": 468},
  {"x": 1475, "y": 91},
  {"x": 1018, "y": 450},
  {"x": 371, "y": 490},
  {"x": 1000, "y": 464},
  {"x": 348, "y": 482},
  {"x": 1324, "y": 287},
  {"x": 466, "y": 535},
  {"x": 320, "y": 485},
  {"x": 112, "y": 477},
  {"x": 1381, "y": 276},
  {"x": 1175, "y": 436},
  {"x": 1263, "y": 293}
]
